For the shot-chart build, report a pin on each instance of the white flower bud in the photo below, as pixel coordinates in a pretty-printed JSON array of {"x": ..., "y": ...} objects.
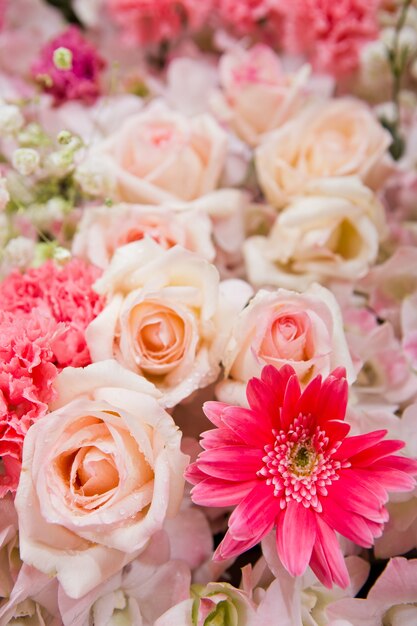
[
  {"x": 59, "y": 163},
  {"x": 374, "y": 61},
  {"x": 94, "y": 177},
  {"x": 64, "y": 137},
  {"x": 18, "y": 254},
  {"x": 25, "y": 161},
  {"x": 4, "y": 194},
  {"x": 62, "y": 58},
  {"x": 11, "y": 119}
]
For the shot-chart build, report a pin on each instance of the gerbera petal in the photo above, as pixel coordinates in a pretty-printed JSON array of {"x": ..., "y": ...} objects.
[
  {"x": 291, "y": 398},
  {"x": 194, "y": 474},
  {"x": 378, "y": 451},
  {"x": 336, "y": 431},
  {"x": 250, "y": 427},
  {"x": 392, "y": 479},
  {"x": 296, "y": 534},
  {"x": 255, "y": 515},
  {"x": 231, "y": 547},
  {"x": 231, "y": 462},
  {"x": 332, "y": 400},
  {"x": 213, "y": 410},
  {"x": 347, "y": 523},
  {"x": 357, "y": 443},
  {"x": 219, "y": 437},
  {"x": 308, "y": 399},
  {"x": 357, "y": 498},
  {"x": 327, "y": 560},
  {"x": 217, "y": 492}
]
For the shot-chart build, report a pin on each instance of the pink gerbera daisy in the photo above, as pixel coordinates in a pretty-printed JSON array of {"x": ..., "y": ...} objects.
[{"x": 286, "y": 462}]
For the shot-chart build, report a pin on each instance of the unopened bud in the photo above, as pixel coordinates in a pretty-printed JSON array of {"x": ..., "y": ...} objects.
[
  {"x": 62, "y": 58},
  {"x": 64, "y": 137},
  {"x": 25, "y": 161},
  {"x": 11, "y": 119}
]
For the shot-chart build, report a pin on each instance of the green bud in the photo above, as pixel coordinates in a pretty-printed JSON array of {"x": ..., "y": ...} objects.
[
  {"x": 62, "y": 58},
  {"x": 221, "y": 616},
  {"x": 64, "y": 137}
]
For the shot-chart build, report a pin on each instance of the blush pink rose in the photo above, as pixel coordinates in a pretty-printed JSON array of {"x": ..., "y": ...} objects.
[
  {"x": 257, "y": 96},
  {"x": 159, "y": 156},
  {"x": 100, "y": 474},
  {"x": 167, "y": 317},
  {"x": 304, "y": 330},
  {"x": 339, "y": 137},
  {"x": 102, "y": 230}
]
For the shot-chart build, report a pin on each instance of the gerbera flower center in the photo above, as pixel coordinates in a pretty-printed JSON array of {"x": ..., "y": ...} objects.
[
  {"x": 299, "y": 464},
  {"x": 303, "y": 458}
]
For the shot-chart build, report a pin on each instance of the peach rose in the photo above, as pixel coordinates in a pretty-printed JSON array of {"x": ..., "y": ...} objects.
[
  {"x": 256, "y": 95},
  {"x": 332, "y": 233},
  {"x": 336, "y": 138},
  {"x": 99, "y": 476},
  {"x": 304, "y": 330},
  {"x": 167, "y": 318},
  {"x": 102, "y": 230},
  {"x": 159, "y": 156}
]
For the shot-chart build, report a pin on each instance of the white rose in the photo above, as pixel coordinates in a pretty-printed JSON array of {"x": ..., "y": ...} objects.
[
  {"x": 336, "y": 138},
  {"x": 159, "y": 156},
  {"x": 167, "y": 317},
  {"x": 332, "y": 233}
]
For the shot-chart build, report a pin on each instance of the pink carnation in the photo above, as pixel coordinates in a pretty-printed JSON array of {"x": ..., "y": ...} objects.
[
  {"x": 27, "y": 371},
  {"x": 331, "y": 32},
  {"x": 81, "y": 81},
  {"x": 155, "y": 21},
  {"x": 248, "y": 16},
  {"x": 286, "y": 462},
  {"x": 64, "y": 294}
]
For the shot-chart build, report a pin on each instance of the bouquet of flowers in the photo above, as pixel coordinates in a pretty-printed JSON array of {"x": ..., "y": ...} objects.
[{"x": 208, "y": 312}]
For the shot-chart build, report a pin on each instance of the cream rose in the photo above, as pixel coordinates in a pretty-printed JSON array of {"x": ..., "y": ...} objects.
[
  {"x": 332, "y": 233},
  {"x": 167, "y": 317},
  {"x": 336, "y": 138},
  {"x": 99, "y": 476},
  {"x": 304, "y": 330},
  {"x": 159, "y": 156},
  {"x": 256, "y": 95},
  {"x": 103, "y": 229}
]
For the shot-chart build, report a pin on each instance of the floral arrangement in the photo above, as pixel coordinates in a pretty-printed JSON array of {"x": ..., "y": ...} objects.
[{"x": 208, "y": 312}]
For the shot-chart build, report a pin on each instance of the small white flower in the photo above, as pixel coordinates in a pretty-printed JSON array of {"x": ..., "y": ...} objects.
[
  {"x": 94, "y": 177},
  {"x": 25, "y": 161},
  {"x": 11, "y": 119}
]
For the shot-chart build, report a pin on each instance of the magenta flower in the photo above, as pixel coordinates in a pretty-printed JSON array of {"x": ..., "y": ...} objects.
[
  {"x": 80, "y": 81},
  {"x": 286, "y": 462}
]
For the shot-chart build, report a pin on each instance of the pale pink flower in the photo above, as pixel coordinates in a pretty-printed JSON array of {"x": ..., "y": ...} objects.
[
  {"x": 287, "y": 462},
  {"x": 391, "y": 601},
  {"x": 156, "y": 21},
  {"x": 389, "y": 283},
  {"x": 252, "y": 16},
  {"x": 79, "y": 82},
  {"x": 64, "y": 294},
  {"x": 331, "y": 33},
  {"x": 102, "y": 230},
  {"x": 384, "y": 373},
  {"x": 256, "y": 95},
  {"x": 141, "y": 591}
]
